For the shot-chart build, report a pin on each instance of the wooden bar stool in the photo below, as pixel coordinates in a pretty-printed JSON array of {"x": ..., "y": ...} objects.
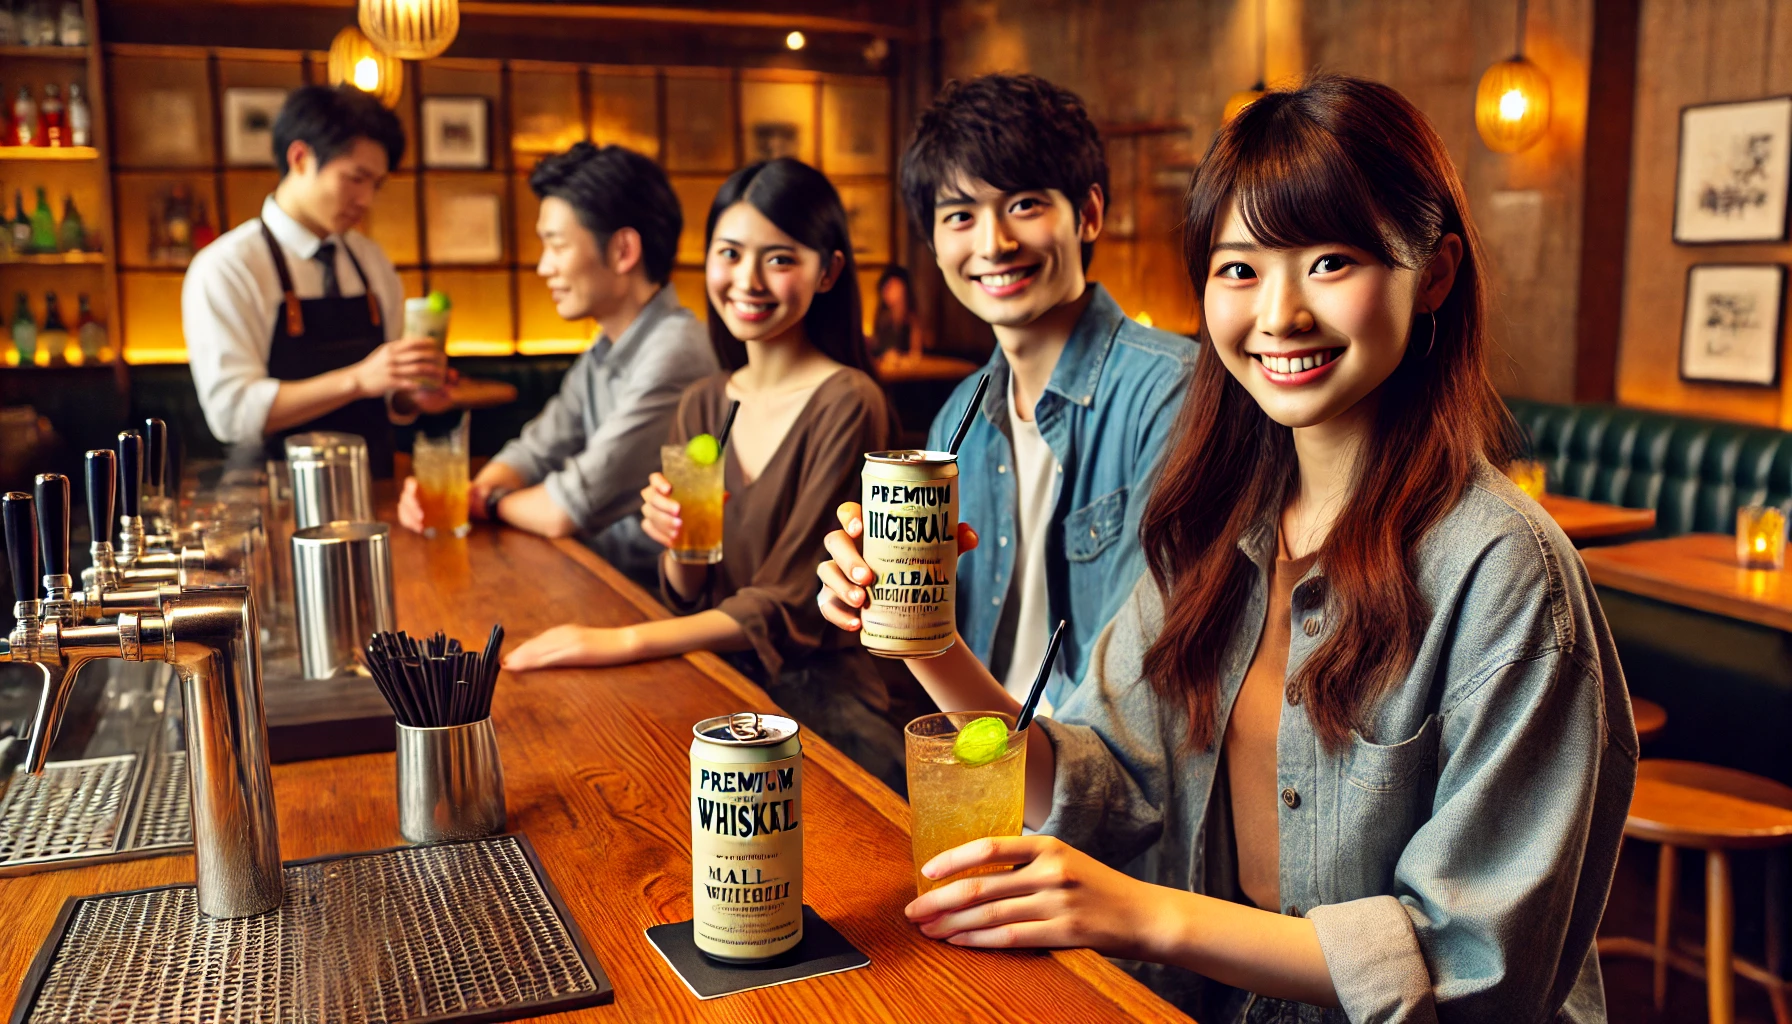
[
  {"x": 1705, "y": 807},
  {"x": 1651, "y": 719}
]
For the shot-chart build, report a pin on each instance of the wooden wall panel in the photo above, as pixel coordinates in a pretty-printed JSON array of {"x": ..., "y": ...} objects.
[
  {"x": 1171, "y": 62},
  {"x": 1691, "y": 52}
]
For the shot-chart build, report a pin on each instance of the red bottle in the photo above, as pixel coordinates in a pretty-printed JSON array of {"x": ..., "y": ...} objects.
[{"x": 54, "y": 117}]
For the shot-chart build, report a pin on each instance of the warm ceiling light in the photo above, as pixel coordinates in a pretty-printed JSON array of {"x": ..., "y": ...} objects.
[
  {"x": 1512, "y": 102},
  {"x": 411, "y": 29},
  {"x": 1512, "y": 106},
  {"x": 354, "y": 60},
  {"x": 795, "y": 41}
]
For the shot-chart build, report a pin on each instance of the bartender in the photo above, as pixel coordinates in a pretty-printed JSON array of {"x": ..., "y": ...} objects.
[{"x": 293, "y": 319}]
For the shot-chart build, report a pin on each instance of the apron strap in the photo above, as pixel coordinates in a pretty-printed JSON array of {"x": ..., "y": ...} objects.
[
  {"x": 295, "y": 320},
  {"x": 373, "y": 304}
]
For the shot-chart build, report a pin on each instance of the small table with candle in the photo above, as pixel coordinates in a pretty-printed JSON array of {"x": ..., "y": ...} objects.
[{"x": 1695, "y": 570}]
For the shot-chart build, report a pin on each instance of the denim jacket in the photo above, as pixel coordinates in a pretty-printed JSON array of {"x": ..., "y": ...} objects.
[
  {"x": 1455, "y": 853},
  {"x": 1111, "y": 402}
]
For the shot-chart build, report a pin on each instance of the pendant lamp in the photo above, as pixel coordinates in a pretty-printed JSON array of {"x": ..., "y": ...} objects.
[
  {"x": 1512, "y": 102},
  {"x": 411, "y": 29},
  {"x": 354, "y": 60}
]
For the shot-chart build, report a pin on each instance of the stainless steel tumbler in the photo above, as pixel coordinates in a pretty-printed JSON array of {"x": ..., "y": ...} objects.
[
  {"x": 331, "y": 479},
  {"x": 342, "y": 582},
  {"x": 450, "y": 784}
]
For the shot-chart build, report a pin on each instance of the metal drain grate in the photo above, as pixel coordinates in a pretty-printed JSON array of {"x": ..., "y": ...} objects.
[
  {"x": 424, "y": 932},
  {"x": 166, "y": 817},
  {"x": 74, "y": 809}
]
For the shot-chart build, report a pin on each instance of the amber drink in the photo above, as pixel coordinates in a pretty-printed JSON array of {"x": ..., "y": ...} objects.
[
  {"x": 697, "y": 487},
  {"x": 954, "y": 801},
  {"x": 439, "y": 462}
]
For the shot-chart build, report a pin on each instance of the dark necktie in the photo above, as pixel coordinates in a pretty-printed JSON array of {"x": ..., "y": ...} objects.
[{"x": 326, "y": 257}]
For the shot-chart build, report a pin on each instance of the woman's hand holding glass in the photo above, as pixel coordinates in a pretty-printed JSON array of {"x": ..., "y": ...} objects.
[
  {"x": 659, "y": 513},
  {"x": 845, "y": 575},
  {"x": 1056, "y": 897}
]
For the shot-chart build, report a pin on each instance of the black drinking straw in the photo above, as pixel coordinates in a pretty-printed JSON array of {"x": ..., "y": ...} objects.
[
  {"x": 1045, "y": 671},
  {"x": 964, "y": 424},
  {"x": 434, "y": 681},
  {"x": 727, "y": 425}
]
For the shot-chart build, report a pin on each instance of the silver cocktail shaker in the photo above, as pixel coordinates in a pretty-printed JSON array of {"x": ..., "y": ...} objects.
[
  {"x": 331, "y": 479},
  {"x": 342, "y": 583}
]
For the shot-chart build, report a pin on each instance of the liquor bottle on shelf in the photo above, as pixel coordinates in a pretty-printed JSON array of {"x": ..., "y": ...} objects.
[
  {"x": 177, "y": 224},
  {"x": 9, "y": 24},
  {"x": 43, "y": 224},
  {"x": 203, "y": 232},
  {"x": 37, "y": 26},
  {"x": 72, "y": 236},
  {"x": 71, "y": 25},
  {"x": 90, "y": 333},
  {"x": 24, "y": 331},
  {"x": 24, "y": 130},
  {"x": 80, "y": 117},
  {"x": 53, "y": 339},
  {"x": 20, "y": 226},
  {"x": 53, "y": 117}
]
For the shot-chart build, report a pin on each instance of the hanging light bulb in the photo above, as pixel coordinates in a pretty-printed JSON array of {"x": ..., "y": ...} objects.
[
  {"x": 354, "y": 60},
  {"x": 411, "y": 29},
  {"x": 1512, "y": 102}
]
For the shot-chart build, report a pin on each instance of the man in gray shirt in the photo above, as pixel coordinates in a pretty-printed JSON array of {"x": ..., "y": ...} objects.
[{"x": 609, "y": 229}]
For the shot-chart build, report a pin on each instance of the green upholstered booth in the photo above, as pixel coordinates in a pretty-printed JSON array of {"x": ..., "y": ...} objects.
[{"x": 1726, "y": 684}]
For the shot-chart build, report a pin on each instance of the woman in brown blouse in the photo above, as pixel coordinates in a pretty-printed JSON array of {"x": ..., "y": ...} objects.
[{"x": 784, "y": 316}]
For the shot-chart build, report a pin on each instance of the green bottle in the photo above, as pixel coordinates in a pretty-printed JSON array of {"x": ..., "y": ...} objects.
[
  {"x": 43, "y": 224},
  {"x": 20, "y": 225},
  {"x": 72, "y": 234},
  {"x": 24, "y": 332}
]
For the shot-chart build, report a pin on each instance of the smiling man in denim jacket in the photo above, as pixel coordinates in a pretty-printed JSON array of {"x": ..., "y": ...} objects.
[{"x": 1007, "y": 176}]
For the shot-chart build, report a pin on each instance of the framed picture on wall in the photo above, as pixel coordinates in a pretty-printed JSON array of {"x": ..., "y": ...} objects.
[
  {"x": 457, "y": 132},
  {"x": 1731, "y": 334},
  {"x": 249, "y": 126},
  {"x": 1735, "y": 167}
]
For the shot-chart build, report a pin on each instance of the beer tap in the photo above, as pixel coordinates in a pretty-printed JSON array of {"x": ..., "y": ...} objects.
[
  {"x": 106, "y": 590},
  {"x": 137, "y": 561},
  {"x": 209, "y": 637}
]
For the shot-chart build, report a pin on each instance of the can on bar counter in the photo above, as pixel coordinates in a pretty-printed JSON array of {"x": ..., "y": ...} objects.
[
  {"x": 910, "y": 508},
  {"x": 746, "y": 836}
]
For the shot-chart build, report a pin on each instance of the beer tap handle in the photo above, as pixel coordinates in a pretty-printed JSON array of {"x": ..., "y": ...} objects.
[
  {"x": 102, "y": 493},
  {"x": 52, "y": 523},
  {"x": 21, "y": 544},
  {"x": 155, "y": 455},
  {"x": 130, "y": 473}
]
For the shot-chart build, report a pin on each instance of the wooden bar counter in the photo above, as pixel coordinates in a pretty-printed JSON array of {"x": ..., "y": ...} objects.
[{"x": 596, "y": 765}]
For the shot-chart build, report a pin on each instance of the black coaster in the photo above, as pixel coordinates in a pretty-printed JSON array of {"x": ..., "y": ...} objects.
[{"x": 822, "y": 951}]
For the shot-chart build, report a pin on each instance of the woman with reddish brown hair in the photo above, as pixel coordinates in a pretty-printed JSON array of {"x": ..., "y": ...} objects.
[{"x": 1359, "y": 748}]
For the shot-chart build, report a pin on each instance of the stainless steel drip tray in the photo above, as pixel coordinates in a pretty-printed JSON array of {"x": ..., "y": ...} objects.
[{"x": 465, "y": 931}]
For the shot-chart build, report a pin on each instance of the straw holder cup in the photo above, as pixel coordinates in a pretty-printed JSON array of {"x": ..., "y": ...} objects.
[
  {"x": 450, "y": 784},
  {"x": 342, "y": 587}
]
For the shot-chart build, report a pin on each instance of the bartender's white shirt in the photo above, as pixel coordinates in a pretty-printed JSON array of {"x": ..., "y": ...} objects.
[{"x": 231, "y": 296}]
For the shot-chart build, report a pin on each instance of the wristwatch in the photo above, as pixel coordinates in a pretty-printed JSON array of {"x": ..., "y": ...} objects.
[{"x": 492, "y": 497}]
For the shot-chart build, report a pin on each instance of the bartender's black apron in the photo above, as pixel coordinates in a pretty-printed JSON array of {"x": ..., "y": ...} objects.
[{"x": 315, "y": 336}]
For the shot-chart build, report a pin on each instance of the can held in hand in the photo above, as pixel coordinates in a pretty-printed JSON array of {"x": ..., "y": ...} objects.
[
  {"x": 746, "y": 836},
  {"x": 910, "y": 508}
]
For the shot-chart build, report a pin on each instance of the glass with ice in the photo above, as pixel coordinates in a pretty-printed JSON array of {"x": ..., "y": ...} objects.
[
  {"x": 695, "y": 472},
  {"x": 967, "y": 780},
  {"x": 439, "y": 462}
]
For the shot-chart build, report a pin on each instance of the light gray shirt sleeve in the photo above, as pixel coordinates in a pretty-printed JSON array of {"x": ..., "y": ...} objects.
[{"x": 594, "y": 472}]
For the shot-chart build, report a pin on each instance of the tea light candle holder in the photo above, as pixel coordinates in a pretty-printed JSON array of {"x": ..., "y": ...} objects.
[
  {"x": 1760, "y": 537},
  {"x": 1530, "y": 476}
]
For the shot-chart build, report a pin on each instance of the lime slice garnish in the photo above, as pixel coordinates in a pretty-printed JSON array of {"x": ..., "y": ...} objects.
[
  {"x": 981, "y": 742},
  {"x": 438, "y": 302},
  {"x": 703, "y": 450}
]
